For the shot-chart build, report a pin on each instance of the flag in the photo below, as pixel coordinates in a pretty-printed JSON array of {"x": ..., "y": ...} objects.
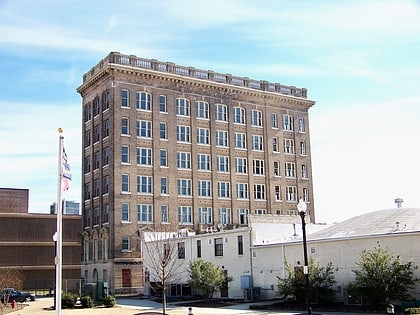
[{"x": 66, "y": 173}]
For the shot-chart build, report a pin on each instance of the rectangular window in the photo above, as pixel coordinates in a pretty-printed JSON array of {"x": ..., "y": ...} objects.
[
  {"x": 184, "y": 215},
  {"x": 223, "y": 189},
  {"x": 181, "y": 250},
  {"x": 125, "y": 102},
  {"x": 106, "y": 184},
  {"x": 304, "y": 171},
  {"x": 125, "y": 130},
  {"x": 204, "y": 188},
  {"x": 106, "y": 128},
  {"x": 240, "y": 245},
  {"x": 275, "y": 142},
  {"x": 144, "y": 156},
  {"x": 144, "y": 128},
  {"x": 105, "y": 156},
  {"x": 87, "y": 164},
  {"x": 218, "y": 246},
  {"x": 290, "y": 169},
  {"x": 301, "y": 123},
  {"x": 125, "y": 183},
  {"x": 274, "y": 122},
  {"x": 202, "y": 109},
  {"x": 162, "y": 104},
  {"x": 203, "y": 162},
  {"x": 205, "y": 214},
  {"x": 259, "y": 192},
  {"x": 203, "y": 136},
  {"x": 243, "y": 216},
  {"x": 163, "y": 185},
  {"x": 276, "y": 168},
  {"x": 163, "y": 158},
  {"x": 88, "y": 135},
  {"x": 184, "y": 187},
  {"x": 239, "y": 115},
  {"x": 223, "y": 164},
  {"x": 182, "y": 107},
  {"x": 125, "y": 244},
  {"x": 164, "y": 215},
  {"x": 183, "y": 160},
  {"x": 242, "y": 191},
  {"x": 225, "y": 216},
  {"x": 287, "y": 122},
  {"x": 221, "y": 112},
  {"x": 291, "y": 193},
  {"x": 289, "y": 146},
  {"x": 240, "y": 140},
  {"x": 96, "y": 188},
  {"x": 222, "y": 138},
  {"x": 198, "y": 248},
  {"x": 241, "y": 165},
  {"x": 305, "y": 194},
  {"x": 183, "y": 134},
  {"x": 125, "y": 154},
  {"x": 96, "y": 134},
  {"x": 144, "y": 101},
  {"x": 256, "y": 118},
  {"x": 96, "y": 216},
  {"x": 97, "y": 160},
  {"x": 144, "y": 184},
  {"x": 277, "y": 193},
  {"x": 163, "y": 134},
  {"x": 258, "y": 167},
  {"x": 145, "y": 213},
  {"x": 257, "y": 143},
  {"x": 125, "y": 212},
  {"x": 302, "y": 148},
  {"x": 106, "y": 214}
]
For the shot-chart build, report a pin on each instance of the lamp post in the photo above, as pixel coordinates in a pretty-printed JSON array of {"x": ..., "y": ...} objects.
[{"x": 302, "y": 211}]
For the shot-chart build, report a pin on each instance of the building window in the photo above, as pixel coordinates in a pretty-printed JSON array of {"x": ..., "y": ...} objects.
[
  {"x": 143, "y": 101},
  {"x": 145, "y": 213},
  {"x": 242, "y": 191},
  {"x": 125, "y": 183},
  {"x": 144, "y": 128},
  {"x": 125, "y": 244},
  {"x": 87, "y": 164},
  {"x": 204, "y": 188},
  {"x": 205, "y": 215},
  {"x": 164, "y": 215},
  {"x": 239, "y": 115},
  {"x": 106, "y": 184},
  {"x": 218, "y": 246},
  {"x": 222, "y": 138},
  {"x": 202, "y": 109},
  {"x": 144, "y": 184},
  {"x": 259, "y": 192},
  {"x": 183, "y": 134},
  {"x": 183, "y": 160},
  {"x": 274, "y": 122},
  {"x": 223, "y": 164},
  {"x": 256, "y": 118},
  {"x": 125, "y": 130},
  {"x": 275, "y": 142},
  {"x": 277, "y": 193},
  {"x": 240, "y": 245},
  {"x": 162, "y": 104},
  {"x": 241, "y": 165},
  {"x": 287, "y": 122},
  {"x": 106, "y": 214},
  {"x": 240, "y": 140},
  {"x": 184, "y": 215},
  {"x": 258, "y": 167},
  {"x": 291, "y": 193},
  {"x": 198, "y": 248},
  {"x": 301, "y": 123},
  {"x": 87, "y": 191},
  {"x": 184, "y": 187},
  {"x": 181, "y": 250},
  {"x": 243, "y": 216},
  {"x": 304, "y": 171},
  {"x": 257, "y": 143},
  {"x": 223, "y": 189},
  {"x": 125, "y": 101},
  {"x": 105, "y": 156},
  {"x": 96, "y": 216},
  {"x": 305, "y": 194},
  {"x": 97, "y": 160},
  {"x": 163, "y": 185},
  {"x": 96, "y": 134},
  {"x": 88, "y": 135},
  {"x": 106, "y": 128},
  {"x": 276, "y": 168},
  {"x": 125, "y": 212},
  {"x": 163, "y": 158},
  {"x": 290, "y": 169},
  {"x": 302, "y": 148},
  {"x": 125, "y": 154},
  {"x": 88, "y": 216},
  {"x": 88, "y": 112},
  {"x": 96, "y": 188},
  {"x": 163, "y": 134},
  {"x": 144, "y": 156},
  {"x": 225, "y": 216},
  {"x": 221, "y": 112},
  {"x": 203, "y": 136},
  {"x": 289, "y": 146},
  {"x": 182, "y": 107},
  {"x": 203, "y": 162},
  {"x": 260, "y": 211}
]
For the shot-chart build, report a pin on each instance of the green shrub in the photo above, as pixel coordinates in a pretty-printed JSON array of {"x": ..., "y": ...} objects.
[
  {"x": 68, "y": 300},
  {"x": 109, "y": 301},
  {"x": 412, "y": 310},
  {"x": 86, "y": 301}
]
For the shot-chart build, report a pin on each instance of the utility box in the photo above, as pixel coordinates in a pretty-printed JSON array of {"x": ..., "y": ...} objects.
[
  {"x": 246, "y": 282},
  {"x": 252, "y": 294}
]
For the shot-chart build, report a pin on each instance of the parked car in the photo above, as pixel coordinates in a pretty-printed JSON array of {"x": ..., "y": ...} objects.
[{"x": 10, "y": 294}]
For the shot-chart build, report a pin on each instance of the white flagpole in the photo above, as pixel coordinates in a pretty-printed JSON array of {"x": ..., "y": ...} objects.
[{"x": 59, "y": 235}]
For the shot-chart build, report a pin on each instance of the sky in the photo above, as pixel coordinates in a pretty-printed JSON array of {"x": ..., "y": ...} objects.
[{"x": 359, "y": 60}]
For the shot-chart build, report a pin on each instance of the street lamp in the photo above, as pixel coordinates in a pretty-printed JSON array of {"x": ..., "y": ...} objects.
[{"x": 302, "y": 211}]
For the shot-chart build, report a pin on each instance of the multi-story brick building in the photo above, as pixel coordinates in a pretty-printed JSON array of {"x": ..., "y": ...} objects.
[{"x": 164, "y": 143}]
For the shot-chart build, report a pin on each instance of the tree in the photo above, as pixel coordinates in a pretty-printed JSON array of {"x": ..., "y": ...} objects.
[
  {"x": 321, "y": 280},
  {"x": 207, "y": 278},
  {"x": 381, "y": 277},
  {"x": 163, "y": 253},
  {"x": 10, "y": 278}
]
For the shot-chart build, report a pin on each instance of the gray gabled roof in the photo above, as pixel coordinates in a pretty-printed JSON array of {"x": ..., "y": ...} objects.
[{"x": 382, "y": 222}]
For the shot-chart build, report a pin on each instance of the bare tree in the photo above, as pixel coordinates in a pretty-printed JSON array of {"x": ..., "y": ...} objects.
[
  {"x": 10, "y": 278},
  {"x": 163, "y": 256}
]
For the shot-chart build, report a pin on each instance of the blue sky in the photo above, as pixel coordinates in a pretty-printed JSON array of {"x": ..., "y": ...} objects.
[{"x": 359, "y": 61}]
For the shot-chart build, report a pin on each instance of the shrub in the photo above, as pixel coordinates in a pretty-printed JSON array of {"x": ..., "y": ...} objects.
[
  {"x": 109, "y": 301},
  {"x": 412, "y": 310},
  {"x": 86, "y": 301},
  {"x": 68, "y": 300}
]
